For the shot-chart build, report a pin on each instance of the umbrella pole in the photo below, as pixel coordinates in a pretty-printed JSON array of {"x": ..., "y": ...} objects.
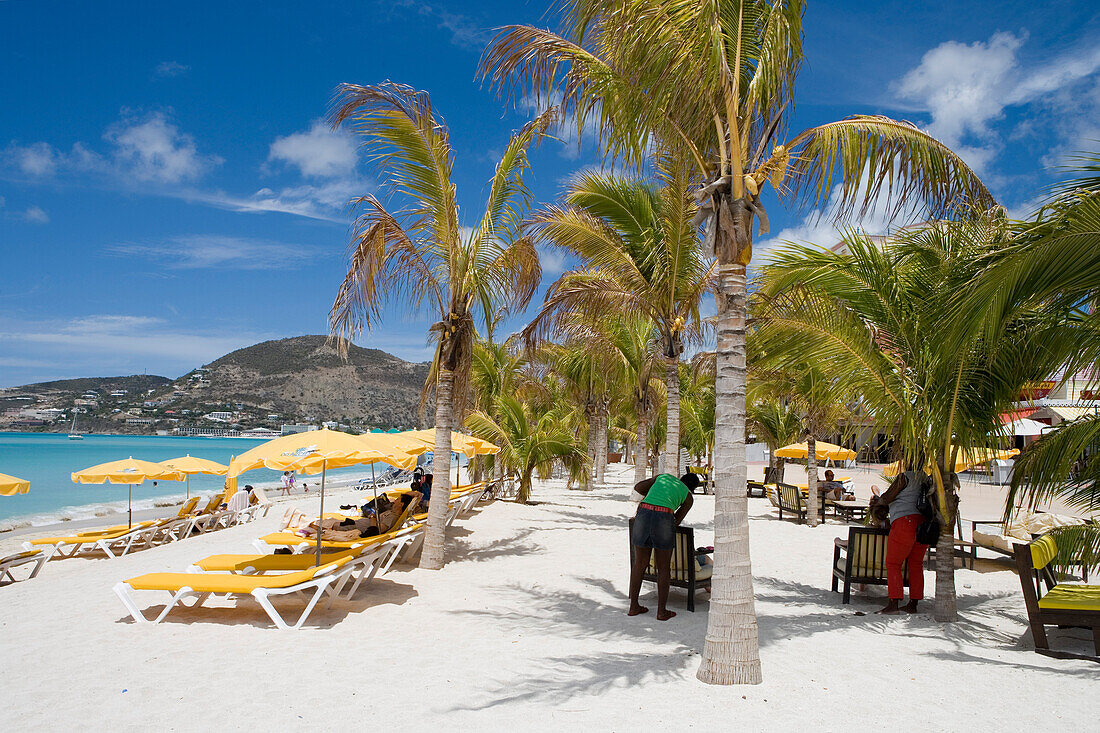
[
  {"x": 374, "y": 485},
  {"x": 188, "y": 482},
  {"x": 129, "y": 506},
  {"x": 321, "y": 515}
]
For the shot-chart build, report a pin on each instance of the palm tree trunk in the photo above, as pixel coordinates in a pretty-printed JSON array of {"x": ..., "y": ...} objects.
[
  {"x": 524, "y": 487},
  {"x": 602, "y": 422},
  {"x": 590, "y": 474},
  {"x": 672, "y": 431},
  {"x": 643, "y": 452},
  {"x": 813, "y": 501},
  {"x": 432, "y": 556},
  {"x": 731, "y": 653},
  {"x": 946, "y": 607}
]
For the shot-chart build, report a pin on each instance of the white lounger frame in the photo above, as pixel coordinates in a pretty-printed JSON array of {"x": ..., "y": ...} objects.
[
  {"x": 320, "y": 584},
  {"x": 15, "y": 561}
]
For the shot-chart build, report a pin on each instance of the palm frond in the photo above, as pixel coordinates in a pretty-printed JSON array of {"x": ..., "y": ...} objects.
[
  {"x": 384, "y": 261},
  {"x": 872, "y": 157},
  {"x": 1062, "y": 464}
]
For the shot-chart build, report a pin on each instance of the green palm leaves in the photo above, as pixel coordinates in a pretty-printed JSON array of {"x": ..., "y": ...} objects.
[
  {"x": 530, "y": 442},
  {"x": 638, "y": 253},
  {"x": 418, "y": 251}
]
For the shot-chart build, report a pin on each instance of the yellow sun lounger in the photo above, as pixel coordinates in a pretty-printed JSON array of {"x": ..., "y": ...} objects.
[
  {"x": 366, "y": 562},
  {"x": 112, "y": 542},
  {"x": 201, "y": 586},
  {"x": 39, "y": 557},
  {"x": 298, "y": 543},
  {"x": 305, "y": 545}
]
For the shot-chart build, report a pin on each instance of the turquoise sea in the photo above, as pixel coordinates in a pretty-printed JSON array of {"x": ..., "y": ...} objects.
[{"x": 47, "y": 460}]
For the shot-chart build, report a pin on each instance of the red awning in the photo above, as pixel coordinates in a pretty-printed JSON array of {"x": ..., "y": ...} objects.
[{"x": 1013, "y": 415}]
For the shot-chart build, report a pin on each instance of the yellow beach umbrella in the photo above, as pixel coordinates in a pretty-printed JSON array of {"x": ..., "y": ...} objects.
[
  {"x": 308, "y": 451},
  {"x": 10, "y": 485},
  {"x": 824, "y": 451},
  {"x": 130, "y": 471},
  {"x": 189, "y": 466},
  {"x": 467, "y": 445}
]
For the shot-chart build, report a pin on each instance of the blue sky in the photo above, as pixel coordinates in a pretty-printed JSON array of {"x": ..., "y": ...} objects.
[{"x": 168, "y": 192}]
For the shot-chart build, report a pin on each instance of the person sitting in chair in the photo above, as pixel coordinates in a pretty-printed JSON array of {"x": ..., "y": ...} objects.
[{"x": 834, "y": 489}]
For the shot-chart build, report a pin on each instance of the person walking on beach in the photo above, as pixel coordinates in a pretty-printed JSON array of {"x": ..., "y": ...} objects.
[
  {"x": 284, "y": 483},
  {"x": 665, "y": 502},
  {"x": 292, "y": 483},
  {"x": 901, "y": 545}
]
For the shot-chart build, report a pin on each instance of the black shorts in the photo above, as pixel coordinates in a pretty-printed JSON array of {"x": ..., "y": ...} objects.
[{"x": 654, "y": 529}]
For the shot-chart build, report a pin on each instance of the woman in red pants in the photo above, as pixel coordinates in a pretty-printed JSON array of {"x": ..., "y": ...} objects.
[{"x": 902, "y": 546}]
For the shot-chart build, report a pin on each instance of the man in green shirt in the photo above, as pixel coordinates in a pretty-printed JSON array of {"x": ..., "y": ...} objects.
[{"x": 666, "y": 500}]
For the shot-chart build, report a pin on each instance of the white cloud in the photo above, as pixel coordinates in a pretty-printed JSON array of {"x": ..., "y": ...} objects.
[
  {"x": 573, "y": 139},
  {"x": 962, "y": 86},
  {"x": 552, "y": 261},
  {"x": 821, "y": 228},
  {"x": 154, "y": 149},
  {"x": 116, "y": 343},
  {"x": 322, "y": 202},
  {"x": 152, "y": 156},
  {"x": 36, "y": 215},
  {"x": 966, "y": 89},
  {"x": 216, "y": 251},
  {"x": 168, "y": 69},
  {"x": 38, "y": 159},
  {"x": 320, "y": 152},
  {"x": 465, "y": 32},
  {"x": 145, "y": 149},
  {"x": 109, "y": 323}
]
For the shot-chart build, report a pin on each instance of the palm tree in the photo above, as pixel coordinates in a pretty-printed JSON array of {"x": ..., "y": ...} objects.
[
  {"x": 778, "y": 423},
  {"x": 1053, "y": 264},
  {"x": 529, "y": 442},
  {"x": 639, "y": 255},
  {"x": 715, "y": 78},
  {"x": 419, "y": 250},
  {"x": 812, "y": 398},
  {"x": 586, "y": 373},
  {"x": 879, "y": 322},
  {"x": 697, "y": 407},
  {"x": 495, "y": 369}
]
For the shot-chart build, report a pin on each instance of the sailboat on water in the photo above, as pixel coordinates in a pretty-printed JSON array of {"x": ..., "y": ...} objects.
[{"x": 73, "y": 435}]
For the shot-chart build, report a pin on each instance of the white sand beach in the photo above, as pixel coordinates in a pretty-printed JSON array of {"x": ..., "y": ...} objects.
[{"x": 525, "y": 629}]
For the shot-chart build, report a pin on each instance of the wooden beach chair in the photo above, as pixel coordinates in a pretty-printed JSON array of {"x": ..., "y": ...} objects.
[
  {"x": 1063, "y": 604},
  {"x": 685, "y": 570},
  {"x": 791, "y": 501},
  {"x": 38, "y": 557},
  {"x": 756, "y": 489},
  {"x": 201, "y": 586},
  {"x": 863, "y": 560}
]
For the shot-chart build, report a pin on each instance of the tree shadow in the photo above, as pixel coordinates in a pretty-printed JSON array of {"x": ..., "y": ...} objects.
[
  {"x": 974, "y": 631},
  {"x": 520, "y": 543},
  {"x": 574, "y": 615}
]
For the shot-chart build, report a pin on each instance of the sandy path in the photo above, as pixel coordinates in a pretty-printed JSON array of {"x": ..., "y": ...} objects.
[{"x": 526, "y": 629}]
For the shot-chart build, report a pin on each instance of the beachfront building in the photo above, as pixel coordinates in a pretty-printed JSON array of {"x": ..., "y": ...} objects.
[
  {"x": 297, "y": 428},
  {"x": 1060, "y": 398}
]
